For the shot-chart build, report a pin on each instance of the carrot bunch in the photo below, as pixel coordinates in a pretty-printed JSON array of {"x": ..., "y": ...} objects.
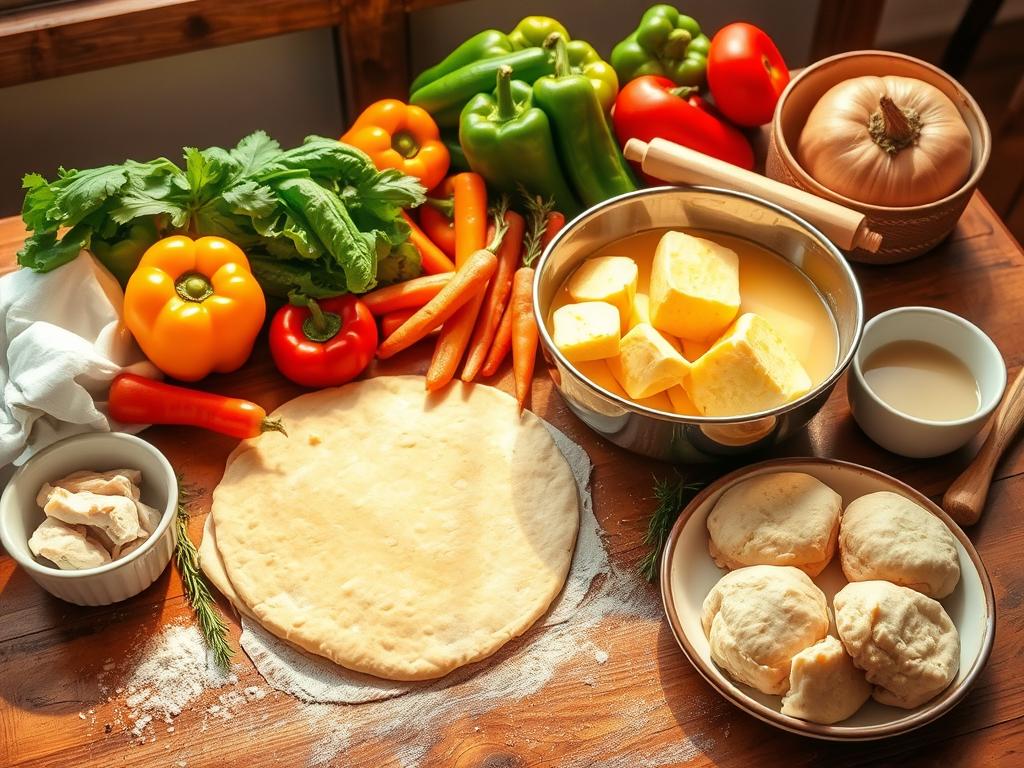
[{"x": 484, "y": 308}]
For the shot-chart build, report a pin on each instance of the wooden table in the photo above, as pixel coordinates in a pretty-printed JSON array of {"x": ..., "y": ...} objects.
[{"x": 645, "y": 706}]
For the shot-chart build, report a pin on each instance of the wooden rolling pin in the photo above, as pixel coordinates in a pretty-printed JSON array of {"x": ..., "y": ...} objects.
[
  {"x": 678, "y": 164},
  {"x": 965, "y": 499}
]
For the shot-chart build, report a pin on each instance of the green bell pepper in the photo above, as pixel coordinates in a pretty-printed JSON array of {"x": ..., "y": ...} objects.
[
  {"x": 589, "y": 152},
  {"x": 482, "y": 45},
  {"x": 453, "y": 90},
  {"x": 508, "y": 141},
  {"x": 121, "y": 255},
  {"x": 666, "y": 43},
  {"x": 584, "y": 60},
  {"x": 532, "y": 31}
]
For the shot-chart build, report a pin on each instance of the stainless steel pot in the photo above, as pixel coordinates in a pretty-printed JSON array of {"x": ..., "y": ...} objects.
[{"x": 686, "y": 439}]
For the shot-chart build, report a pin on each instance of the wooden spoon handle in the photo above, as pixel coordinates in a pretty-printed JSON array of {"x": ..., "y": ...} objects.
[{"x": 965, "y": 499}]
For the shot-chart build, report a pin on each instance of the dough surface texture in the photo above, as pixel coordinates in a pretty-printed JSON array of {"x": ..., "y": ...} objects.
[
  {"x": 824, "y": 685},
  {"x": 905, "y": 642},
  {"x": 889, "y": 537},
  {"x": 395, "y": 533},
  {"x": 757, "y": 618},
  {"x": 782, "y": 518}
]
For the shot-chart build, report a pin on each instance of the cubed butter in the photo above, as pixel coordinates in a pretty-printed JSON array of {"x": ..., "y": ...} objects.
[
  {"x": 694, "y": 349},
  {"x": 647, "y": 363},
  {"x": 641, "y": 310},
  {"x": 587, "y": 331},
  {"x": 695, "y": 287},
  {"x": 611, "y": 279},
  {"x": 748, "y": 370},
  {"x": 599, "y": 373}
]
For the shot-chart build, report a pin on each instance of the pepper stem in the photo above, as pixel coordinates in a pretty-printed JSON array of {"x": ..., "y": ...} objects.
[
  {"x": 405, "y": 144},
  {"x": 444, "y": 205},
  {"x": 272, "y": 425},
  {"x": 506, "y": 104},
  {"x": 676, "y": 44},
  {"x": 893, "y": 128},
  {"x": 556, "y": 43},
  {"x": 684, "y": 91},
  {"x": 193, "y": 287},
  {"x": 320, "y": 326}
]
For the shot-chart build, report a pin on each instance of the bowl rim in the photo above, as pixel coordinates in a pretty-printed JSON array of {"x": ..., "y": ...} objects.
[
  {"x": 825, "y": 385},
  {"x": 804, "y": 727},
  {"x": 794, "y": 166},
  {"x": 7, "y": 506},
  {"x": 979, "y": 416}
]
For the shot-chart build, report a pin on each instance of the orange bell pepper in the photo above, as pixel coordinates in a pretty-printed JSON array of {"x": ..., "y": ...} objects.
[
  {"x": 194, "y": 306},
  {"x": 397, "y": 135}
]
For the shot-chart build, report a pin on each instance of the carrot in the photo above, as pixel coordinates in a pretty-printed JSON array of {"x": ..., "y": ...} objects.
[
  {"x": 438, "y": 227},
  {"x": 412, "y": 294},
  {"x": 392, "y": 321},
  {"x": 555, "y": 223},
  {"x": 138, "y": 400},
  {"x": 524, "y": 333},
  {"x": 469, "y": 281},
  {"x": 502, "y": 343},
  {"x": 455, "y": 333},
  {"x": 470, "y": 217},
  {"x": 432, "y": 259},
  {"x": 496, "y": 297}
]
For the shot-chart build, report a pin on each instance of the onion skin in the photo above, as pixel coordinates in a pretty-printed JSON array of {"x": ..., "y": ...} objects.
[{"x": 844, "y": 150}]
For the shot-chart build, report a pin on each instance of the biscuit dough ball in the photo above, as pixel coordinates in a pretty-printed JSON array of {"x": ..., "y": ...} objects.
[
  {"x": 757, "y": 618},
  {"x": 783, "y": 518},
  {"x": 905, "y": 642},
  {"x": 824, "y": 685},
  {"x": 889, "y": 537}
]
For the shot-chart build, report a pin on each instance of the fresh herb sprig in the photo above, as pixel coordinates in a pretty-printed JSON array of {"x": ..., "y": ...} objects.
[
  {"x": 538, "y": 209},
  {"x": 671, "y": 495},
  {"x": 211, "y": 624}
]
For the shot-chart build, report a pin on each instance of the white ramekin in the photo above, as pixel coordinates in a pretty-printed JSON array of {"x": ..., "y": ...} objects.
[
  {"x": 97, "y": 451},
  {"x": 908, "y": 435}
]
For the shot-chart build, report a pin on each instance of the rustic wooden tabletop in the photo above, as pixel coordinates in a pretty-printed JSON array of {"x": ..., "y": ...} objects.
[{"x": 61, "y": 665}]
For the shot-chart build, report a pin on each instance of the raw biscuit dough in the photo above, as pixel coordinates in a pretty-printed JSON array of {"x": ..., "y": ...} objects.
[
  {"x": 782, "y": 518},
  {"x": 824, "y": 685},
  {"x": 889, "y": 537},
  {"x": 905, "y": 642},
  {"x": 398, "y": 533},
  {"x": 757, "y": 618}
]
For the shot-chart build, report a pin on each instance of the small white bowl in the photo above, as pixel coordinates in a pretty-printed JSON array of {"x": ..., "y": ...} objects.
[
  {"x": 908, "y": 435},
  {"x": 98, "y": 451}
]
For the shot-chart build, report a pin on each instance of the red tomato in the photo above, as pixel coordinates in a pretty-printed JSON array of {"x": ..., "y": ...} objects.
[
  {"x": 323, "y": 344},
  {"x": 746, "y": 74}
]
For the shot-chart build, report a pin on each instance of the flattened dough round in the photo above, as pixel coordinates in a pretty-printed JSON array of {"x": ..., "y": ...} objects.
[
  {"x": 887, "y": 536},
  {"x": 782, "y": 518},
  {"x": 824, "y": 685},
  {"x": 399, "y": 534}
]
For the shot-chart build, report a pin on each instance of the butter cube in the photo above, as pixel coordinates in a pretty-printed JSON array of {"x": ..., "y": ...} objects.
[
  {"x": 695, "y": 287},
  {"x": 599, "y": 373},
  {"x": 692, "y": 350},
  {"x": 587, "y": 331},
  {"x": 611, "y": 279},
  {"x": 648, "y": 363},
  {"x": 641, "y": 310},
  {"x": 748, "y": 370}
]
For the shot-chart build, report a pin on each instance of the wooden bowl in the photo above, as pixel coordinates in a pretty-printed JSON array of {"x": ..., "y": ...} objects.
[
  {"x": 907, "y": 232},
  {"x": 688, "y": 573}
]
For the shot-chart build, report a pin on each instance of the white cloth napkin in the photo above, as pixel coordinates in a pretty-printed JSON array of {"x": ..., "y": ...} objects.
[{"x": 62, "y": 343}]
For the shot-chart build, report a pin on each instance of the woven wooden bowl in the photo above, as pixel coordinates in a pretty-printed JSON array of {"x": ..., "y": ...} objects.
[{"x": 907, "y": 232}]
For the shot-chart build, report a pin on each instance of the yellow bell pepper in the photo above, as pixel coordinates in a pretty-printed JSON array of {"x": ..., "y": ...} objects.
[{"x": 194, "y": 306}]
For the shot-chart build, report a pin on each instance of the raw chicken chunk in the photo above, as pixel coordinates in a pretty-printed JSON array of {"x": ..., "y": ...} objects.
[
  {"x": 66, "y": 546},
  {"x": 114, "y": 482},
  {"x": 149, "y": 518},
  {"x": 117, "y": 516}
]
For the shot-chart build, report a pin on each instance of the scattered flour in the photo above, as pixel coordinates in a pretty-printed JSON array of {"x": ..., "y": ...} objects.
[{"x": 600, "y": 656}]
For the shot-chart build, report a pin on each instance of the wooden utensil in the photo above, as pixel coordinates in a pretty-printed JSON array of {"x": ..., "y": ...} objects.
[
  {"x": 675, "y": 163},
  {"x": 965, "y": 499}
]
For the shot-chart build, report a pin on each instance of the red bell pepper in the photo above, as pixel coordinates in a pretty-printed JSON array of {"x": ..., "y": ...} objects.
[
  {"x": 746, "y": 74},
  {"x": 653, "y": 107},
  {"x": 323, "y": 344}
]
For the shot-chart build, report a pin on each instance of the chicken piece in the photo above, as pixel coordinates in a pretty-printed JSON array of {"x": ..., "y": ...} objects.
[
  {"x": 130, "y": 547},
  {"x": 116, "y": 516},
  {"x": 149, "y": 518},
  {"x": 66, "y": 546},
  {"x": 114, "y": 482}
]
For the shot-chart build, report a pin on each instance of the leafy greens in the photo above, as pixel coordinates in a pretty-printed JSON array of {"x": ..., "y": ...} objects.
[{"x": 318, "y": 218}]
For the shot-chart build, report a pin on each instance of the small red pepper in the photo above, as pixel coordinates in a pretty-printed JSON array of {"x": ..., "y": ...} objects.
[
  {"x": 323, "y": 344},
  {"x": 653, "y": 107}
]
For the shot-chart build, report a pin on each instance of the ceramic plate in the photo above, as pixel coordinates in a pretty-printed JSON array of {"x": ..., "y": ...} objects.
[{"x": 688, "y": 573}]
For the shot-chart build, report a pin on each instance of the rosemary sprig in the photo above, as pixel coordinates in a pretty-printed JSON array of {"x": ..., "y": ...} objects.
[
  {"x": 538, "y": 209},
  {"x": 211, "y": 624},
  {"x": 671, "y": 495}
]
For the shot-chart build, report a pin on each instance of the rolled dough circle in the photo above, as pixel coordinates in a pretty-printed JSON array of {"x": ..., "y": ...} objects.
[{"x": 395, "y": 533}]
